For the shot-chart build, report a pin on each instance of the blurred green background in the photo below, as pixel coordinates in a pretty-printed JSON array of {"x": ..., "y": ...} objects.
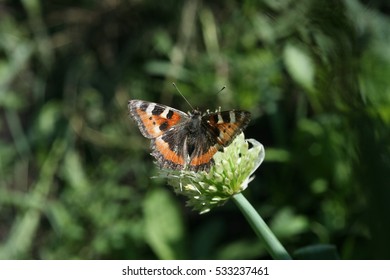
[{"x": 75, "y": 172}]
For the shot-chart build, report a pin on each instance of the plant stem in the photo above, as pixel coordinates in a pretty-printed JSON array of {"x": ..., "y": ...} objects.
[{"x": 273, "y": 246}]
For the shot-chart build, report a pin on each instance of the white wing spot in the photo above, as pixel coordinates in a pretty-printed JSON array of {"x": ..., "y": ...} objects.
[
  {"x": 232, "y": 117},
  {"x": 150, "y": 108},
  {"x": 220, "y": 120},
  {"x": 164, "y": 113}
]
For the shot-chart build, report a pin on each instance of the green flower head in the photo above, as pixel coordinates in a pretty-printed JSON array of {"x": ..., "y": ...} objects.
[{"x": 230, "y": 175}]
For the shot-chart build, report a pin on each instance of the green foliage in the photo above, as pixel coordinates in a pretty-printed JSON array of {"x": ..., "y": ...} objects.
[
  {"x": 75, "y": 174},
  {"x": 164, "y": 238},
  {"x": 317, "y": 252}
]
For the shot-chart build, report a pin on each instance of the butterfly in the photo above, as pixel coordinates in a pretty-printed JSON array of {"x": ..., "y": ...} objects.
[{"x": 183, "y": 141}]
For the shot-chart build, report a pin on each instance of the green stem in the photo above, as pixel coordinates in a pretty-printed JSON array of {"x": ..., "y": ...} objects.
[{"x": 273, "y": 246}]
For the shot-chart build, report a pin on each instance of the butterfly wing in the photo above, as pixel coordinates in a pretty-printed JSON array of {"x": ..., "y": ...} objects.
[
  {"x": 154, "y": 119},
  {"x": 225, "y": 126},
  {"x": 170, "y": 149},
  {"x": 163, "y": 125},
  {"x": 218, "y": 130}
]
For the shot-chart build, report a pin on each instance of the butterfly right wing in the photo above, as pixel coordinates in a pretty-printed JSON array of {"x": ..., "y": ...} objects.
[
  {"x": 219, "y": 129},
  {"x": 226, "y": 125}
]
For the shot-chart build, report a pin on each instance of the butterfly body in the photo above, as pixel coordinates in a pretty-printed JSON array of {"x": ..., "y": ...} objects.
[{"x": 186, "y": 141}]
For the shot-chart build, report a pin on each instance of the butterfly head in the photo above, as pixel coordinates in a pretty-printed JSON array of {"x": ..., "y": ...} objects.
[{"x": 196, "y": 120}]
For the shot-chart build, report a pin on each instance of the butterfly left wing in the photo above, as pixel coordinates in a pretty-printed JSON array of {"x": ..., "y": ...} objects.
[{"x": 154, "y": 119}]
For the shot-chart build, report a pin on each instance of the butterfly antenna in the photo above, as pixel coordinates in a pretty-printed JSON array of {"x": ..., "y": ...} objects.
[
  {"x": 182, "y": 95},
  {"x": 221, "y": 89}
]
